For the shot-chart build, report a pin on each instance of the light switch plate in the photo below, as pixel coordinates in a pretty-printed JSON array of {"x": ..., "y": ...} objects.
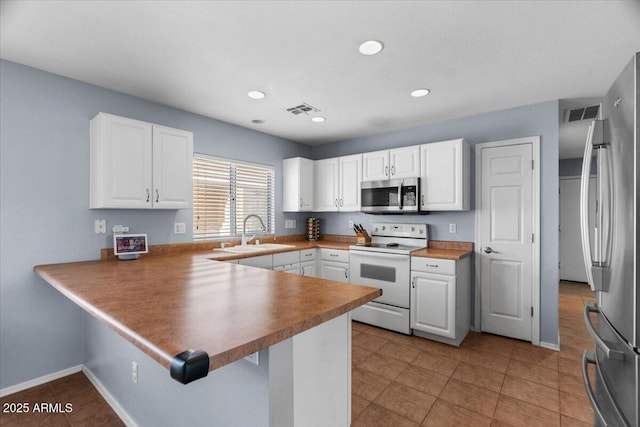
[
  {"x": 100, "y": 226},
  {"x": 453, "y": 228},
  {"x": 289, "y": 223}
]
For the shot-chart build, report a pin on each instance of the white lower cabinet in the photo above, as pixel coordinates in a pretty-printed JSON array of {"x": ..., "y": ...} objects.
[
  {"x": 309, "y": 268},
  {"x": 440, "y": 305},
  {"x": 262, "y": 261},
  {"x": 334, "y": 265}
]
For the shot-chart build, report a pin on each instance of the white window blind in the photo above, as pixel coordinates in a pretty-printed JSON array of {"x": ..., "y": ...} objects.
[{"x": 225, "y": 192}]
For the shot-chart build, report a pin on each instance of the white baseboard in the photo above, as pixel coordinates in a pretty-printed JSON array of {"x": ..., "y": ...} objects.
[
  {"x": 550, "y": 346},
  {"x": 39, "y": 381},
  {"x": 115, "y": 405}
]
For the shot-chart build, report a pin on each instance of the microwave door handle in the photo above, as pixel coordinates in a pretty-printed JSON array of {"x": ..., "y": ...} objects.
[
  {"x": 400, "y": 196},
  {"x": 584, "y": 205}
]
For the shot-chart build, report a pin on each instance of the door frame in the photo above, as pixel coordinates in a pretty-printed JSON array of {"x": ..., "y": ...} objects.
[{"x": 535, "y": 268}]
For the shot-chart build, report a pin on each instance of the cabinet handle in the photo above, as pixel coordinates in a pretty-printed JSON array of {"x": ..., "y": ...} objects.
[
  {"x": 333, "y": 254},
  {"x": 386, "y": 171},
  {"x": 340, "y": 202},
  {"x": 148, "y": 195},
  {"x": 393, "y": 169},
  {"x": 413, "y": 282},
  {"x": 300, "y": 201},
  {"x": 157, "y": 196},
  {"x": 336, "y": 203},
  {"x": 422, "y": 199},
  {"x": 346, "y": 273}
]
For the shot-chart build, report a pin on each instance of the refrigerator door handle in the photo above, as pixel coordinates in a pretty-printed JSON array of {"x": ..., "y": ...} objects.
[
  {"x": 597, "y": 260},
  {"x": 609, "y": 353},
  {"x": 587, "y": 358}
]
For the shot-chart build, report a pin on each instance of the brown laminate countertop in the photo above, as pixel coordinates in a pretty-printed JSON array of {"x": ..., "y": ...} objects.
[{"x": 167, "y": 304}]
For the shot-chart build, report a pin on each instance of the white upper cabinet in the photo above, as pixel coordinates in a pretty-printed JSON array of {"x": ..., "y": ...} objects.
[
  {"x": 172, "y": 168},
  {"x": 405, "y": 162},
  {"x": 444, "y": 180},
  {"x": 138, "y": 165},
  {"x": 396, "y": 163},
  {"x": 297, "y": 185},
  {"x": 375, "y": 166},
  {"x": 350, "y": 171},
  {"x": 337, "y": 184},
  {"x": 326, "y": 185}
]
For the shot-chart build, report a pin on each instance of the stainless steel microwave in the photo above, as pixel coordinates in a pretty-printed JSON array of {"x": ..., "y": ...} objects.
[{"x": 390, "y": 196}]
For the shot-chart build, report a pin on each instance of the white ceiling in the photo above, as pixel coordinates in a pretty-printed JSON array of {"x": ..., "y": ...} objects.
[{"x": 203, "y": 57}]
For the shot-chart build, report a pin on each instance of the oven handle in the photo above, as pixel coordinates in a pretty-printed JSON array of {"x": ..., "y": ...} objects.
[{"x": 356, "y": 253}]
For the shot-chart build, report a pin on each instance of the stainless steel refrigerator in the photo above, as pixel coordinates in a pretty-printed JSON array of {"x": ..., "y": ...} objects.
[{"x": 610, "y": 247}]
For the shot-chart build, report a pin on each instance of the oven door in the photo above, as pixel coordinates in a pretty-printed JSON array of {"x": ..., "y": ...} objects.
[{"x": 390, "y": 272}]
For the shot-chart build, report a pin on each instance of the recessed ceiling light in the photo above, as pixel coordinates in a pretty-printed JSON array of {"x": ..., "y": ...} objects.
[
  {"x": 257, "y": 122},
  {"x": 318, "y": 119},
  {"x": 420, "y": 92},
  {"x": 371, "y": 47},
  {"x": 256, "y": 94}
]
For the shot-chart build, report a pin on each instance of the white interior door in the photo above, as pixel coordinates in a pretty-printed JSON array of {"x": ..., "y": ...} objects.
[
  {"x": 571, "y": 261},
  {"x": 506, "y": 225}
]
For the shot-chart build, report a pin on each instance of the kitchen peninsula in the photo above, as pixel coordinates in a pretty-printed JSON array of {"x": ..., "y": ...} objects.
[{"x": 166, "y": 305}]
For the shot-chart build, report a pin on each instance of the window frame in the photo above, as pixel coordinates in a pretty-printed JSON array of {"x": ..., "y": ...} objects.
[{"x": 235, "y": 229}]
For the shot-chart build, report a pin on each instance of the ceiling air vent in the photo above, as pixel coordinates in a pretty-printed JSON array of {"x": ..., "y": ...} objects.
[
  {"x": 585, "y": 113},
  {"x": 303, "y": 108}
]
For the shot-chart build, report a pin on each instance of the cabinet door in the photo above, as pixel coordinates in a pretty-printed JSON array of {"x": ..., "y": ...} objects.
[
  {"x": 172, "y": 168},
  {"x": 306, "y": 185},
  {"x": 121, "y": 166},
  {"x": 350, "y": 178},
  {"x": 444, "y": 184},
  {"x": 405, "y": 162},
  {"x": 308, "y": 268},
  {"x": 297, "y": 186},
  {"x": 326, "y": 185},
  {"x": 337, "y": 271},
  {"x": 375, "y": 166},
  {"x": 433, "y": 302}
]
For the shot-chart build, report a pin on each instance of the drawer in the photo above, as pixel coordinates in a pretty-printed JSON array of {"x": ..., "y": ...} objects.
[
  {"x": 308, "y": 255},
  {"x": 433, "y": 265},
  {"x": 334, "y": 255},
  {"x": 284, "y": 258}
]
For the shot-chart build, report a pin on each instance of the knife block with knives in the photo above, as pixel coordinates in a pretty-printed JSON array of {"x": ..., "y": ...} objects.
[{"x": 362, "y": 235}]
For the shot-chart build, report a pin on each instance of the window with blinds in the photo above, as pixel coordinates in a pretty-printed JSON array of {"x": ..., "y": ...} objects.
[{"x": 225, "y": 192}]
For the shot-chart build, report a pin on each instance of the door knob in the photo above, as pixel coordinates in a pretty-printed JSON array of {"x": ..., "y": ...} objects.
[{"x": 488, "y": 250}]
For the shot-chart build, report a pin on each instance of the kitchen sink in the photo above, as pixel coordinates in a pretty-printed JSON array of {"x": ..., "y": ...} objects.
[{"x": 245, "y": 249}]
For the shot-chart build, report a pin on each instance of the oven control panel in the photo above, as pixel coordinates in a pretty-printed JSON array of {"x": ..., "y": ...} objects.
[{"x": 399, "y": 230}]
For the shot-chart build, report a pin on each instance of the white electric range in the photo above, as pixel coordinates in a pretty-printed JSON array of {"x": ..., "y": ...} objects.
[{"x": 386, "y": 264}]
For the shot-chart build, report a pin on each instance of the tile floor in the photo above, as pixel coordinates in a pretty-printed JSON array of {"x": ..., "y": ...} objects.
[
  {"x": 408, "y": 381},
  {"x": 88, "y": 406},
  {"x": 489, "y": 381}
]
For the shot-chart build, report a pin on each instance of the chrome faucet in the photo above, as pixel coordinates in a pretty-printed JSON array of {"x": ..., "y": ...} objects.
[{"x": 244, "y": 228}]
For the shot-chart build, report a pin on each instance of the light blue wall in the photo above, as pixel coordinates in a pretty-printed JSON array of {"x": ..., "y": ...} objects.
[
  {"x": 539, "y": 119},
  {"x": 234, "y": 395},
  {"x": 44, "y": 202}
]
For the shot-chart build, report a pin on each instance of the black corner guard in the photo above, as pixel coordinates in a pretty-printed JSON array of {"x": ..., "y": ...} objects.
[{"x": 190, "y": 365}]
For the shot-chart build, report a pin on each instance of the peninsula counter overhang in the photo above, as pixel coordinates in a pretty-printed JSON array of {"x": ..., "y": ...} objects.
[{"x": 167, "y": 305}]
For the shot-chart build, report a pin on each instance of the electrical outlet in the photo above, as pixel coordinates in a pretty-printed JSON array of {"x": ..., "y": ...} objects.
[
  {"x": 253, "y": 358},
  {"x": 179, "y": 228},
  {"x": 289, "y": 223},
  {"x": 119, "y": 229},
  {"x": 350, "y": 224},
  {"x": 100, "y": 226},
  {"x": 453, "y": 228},
  {"x": 134, "y": 372}
]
